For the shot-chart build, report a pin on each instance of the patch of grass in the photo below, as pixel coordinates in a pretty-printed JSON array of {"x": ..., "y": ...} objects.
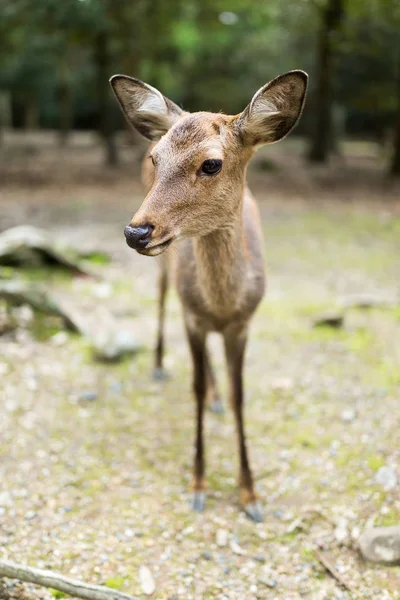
[
  {"x": 307, "y": 553},
  {"x": 97, "y": 258},
  {"x": 44, "y": 327},
  {"x": 375, "y": 462},
  {"x": 57, "y": 594},
  {"x": 386, "y": 520},
  {"x": 360, "y": 340},
  {"x": 7, "y": 272},
  {"x": 115, "y": 583}
]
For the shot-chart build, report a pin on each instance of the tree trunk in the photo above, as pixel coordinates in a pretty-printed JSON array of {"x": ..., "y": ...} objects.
[
  {"x": 106, "y": 121},
  {"x": 64, "y": 105},
  {"x": 320, "y": 138},
  {"x": 395, "y": 162},
  {"x": 31, "y": 114}
]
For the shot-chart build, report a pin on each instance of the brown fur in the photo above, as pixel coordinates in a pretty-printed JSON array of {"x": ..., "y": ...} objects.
[{"x": 214, "y": 224}]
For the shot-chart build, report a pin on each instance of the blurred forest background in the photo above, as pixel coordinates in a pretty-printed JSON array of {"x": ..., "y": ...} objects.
[
  {"x": 56, "y": 58},
  {"x": 95, "y": 457}
]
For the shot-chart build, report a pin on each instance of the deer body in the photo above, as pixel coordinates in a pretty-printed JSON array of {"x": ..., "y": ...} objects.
[
  {"x": 220, "y": 276},
  {"x": 197, "y": 199}
]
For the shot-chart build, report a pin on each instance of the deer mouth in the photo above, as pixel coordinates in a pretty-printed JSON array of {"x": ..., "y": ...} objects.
[{"x": 156, "y": 249}]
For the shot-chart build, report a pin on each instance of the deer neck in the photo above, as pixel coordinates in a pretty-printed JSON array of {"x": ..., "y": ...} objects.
[{"x": 221, "y": 263}]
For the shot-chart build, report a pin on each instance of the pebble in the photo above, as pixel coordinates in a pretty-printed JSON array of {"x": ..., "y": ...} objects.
[
  {"x": 348, "y": 415},
  {"x": 6, "y": 499},
  {"x": 259, "y": 558},
  {"x": 88, "y": 396},
  {"x": 146, "y": 580},
  {"x": 236, "y": 548},
  {"x": 381, "y": 545},
  {"x": 386, "y": 476},
  {"x": 271, "y": 583},
  {"x": 60, "y": 338},
  {"x": 221, "y": 538}
]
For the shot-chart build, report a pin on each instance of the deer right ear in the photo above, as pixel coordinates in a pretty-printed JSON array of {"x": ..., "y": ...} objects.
[
  {"x": 144, "y": 107},
  {"x": 274, "y": 110}
]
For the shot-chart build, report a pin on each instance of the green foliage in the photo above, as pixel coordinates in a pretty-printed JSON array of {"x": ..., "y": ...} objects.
[
  {"x": 210, "y": 55},
  {"x": 116, "y": 583},
  {"x": 57, "y": 594}
]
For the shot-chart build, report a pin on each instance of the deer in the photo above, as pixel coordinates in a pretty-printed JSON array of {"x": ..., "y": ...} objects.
[{"x": 197, "y": 201}]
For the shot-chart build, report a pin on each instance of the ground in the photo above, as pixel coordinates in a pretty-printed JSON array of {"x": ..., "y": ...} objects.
[{"x": 95, "y": 458}]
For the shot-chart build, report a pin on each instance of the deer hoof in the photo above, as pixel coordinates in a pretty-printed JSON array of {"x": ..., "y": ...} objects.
[
  {"x": 198, "y": 501},
  {"x": 159, "y": 374},
  {"x": 217, "y": 407},
  {"x": 254, "y": 511}
]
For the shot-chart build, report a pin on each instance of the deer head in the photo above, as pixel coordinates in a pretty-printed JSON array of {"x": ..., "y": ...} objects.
[{"x": 200, "y": 159}]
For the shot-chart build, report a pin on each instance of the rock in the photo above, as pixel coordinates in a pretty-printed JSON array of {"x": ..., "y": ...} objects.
[
  {"x": 221, "y": 538},
  {"x": 386, "y": 476},
  {"x": 366, "y": 301},
  {"x": 381, "y": 545},
  {"x": 60, "y": 338},
  {"x": 36, "y": 296},
  {"x": 146, "y": 580},
  {"x": 5, "y": 499},
  {"x": 110, "y": 345},
  {"x": 236, "y": 548},
  {"x": 341, "y": 533},
  {"x": 348, "y": 415},
  {"x": 269, "y": 582},
  {"x": 206, "y": 555},
  {"x": 329, "y": 319},
  {"x": 88, "y": 396},
  {"x": 27, "y": 246}
]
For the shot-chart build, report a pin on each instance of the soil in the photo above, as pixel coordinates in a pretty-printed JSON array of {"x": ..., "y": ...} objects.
[{"x": 95, "y": 458}]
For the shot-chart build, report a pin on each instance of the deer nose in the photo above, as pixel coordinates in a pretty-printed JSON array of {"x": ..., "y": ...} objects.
[{"x": 138, "y": 237}]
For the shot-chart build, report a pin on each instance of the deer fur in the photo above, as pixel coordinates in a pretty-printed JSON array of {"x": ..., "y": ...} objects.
[{"x": 213, "y": 221}]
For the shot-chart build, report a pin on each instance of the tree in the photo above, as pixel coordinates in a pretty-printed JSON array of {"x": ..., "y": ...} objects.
[{"x": 330, "y": 18}]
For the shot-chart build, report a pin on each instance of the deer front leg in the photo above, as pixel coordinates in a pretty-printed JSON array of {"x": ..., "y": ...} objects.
[
  {"x": 235, "y": 344},
  {"x": 159, "y": 374},
  {"x": 198, "y": 351},
  {"x": 213, "y": 401}
]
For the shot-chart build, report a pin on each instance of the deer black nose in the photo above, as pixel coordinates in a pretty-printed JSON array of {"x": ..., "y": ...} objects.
[{"x": 138, "y": 237}]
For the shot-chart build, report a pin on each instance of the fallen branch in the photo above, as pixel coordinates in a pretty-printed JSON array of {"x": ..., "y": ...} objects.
[
  {"x": 331, "y": 569},
  {"x": 48, "y": 579}
]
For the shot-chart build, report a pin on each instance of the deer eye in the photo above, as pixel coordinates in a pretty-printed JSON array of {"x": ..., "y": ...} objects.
[{"x": 211, "y": 167}]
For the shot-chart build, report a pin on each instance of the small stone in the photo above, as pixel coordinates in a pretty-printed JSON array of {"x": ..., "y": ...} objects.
[
  {"x": 5, "y": 499},
  {"x": 381, "y": 545},
  {"x": 146, "y": 580},
  {"x": 341, "y": 534},
  {"x": 348, "y": 415},
  {"x": 221, "y": 537},
  {"x": 386, "y": 476},
  {"x": 329, "y": 319},
  {"x": 207, "y": 555},
  {"x": 259, "y": 558},
  {"x": 269, "y": 582},
  {"x": 60, "y": 338},
  {"x": 89, "y": 396},
  {"x": 129, "y": 533},
  {"x": 236, "y": 548}
]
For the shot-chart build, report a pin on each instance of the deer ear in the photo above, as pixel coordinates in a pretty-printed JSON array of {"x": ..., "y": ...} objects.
[
  {"x": 274, "y": 110},
  {"x": 144, "y": 107}
]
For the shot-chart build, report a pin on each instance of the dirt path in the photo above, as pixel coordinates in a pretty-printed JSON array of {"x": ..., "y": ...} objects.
[{"x": 95, "y": 488}]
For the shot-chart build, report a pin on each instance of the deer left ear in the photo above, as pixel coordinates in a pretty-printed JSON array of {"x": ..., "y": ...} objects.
[
  {"x": 274, "y": 110},
  {"x": 144, "y": 107}
]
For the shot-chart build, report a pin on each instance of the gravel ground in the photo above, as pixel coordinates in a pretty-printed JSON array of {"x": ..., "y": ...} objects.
[{"x": 95, "y": 459}]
